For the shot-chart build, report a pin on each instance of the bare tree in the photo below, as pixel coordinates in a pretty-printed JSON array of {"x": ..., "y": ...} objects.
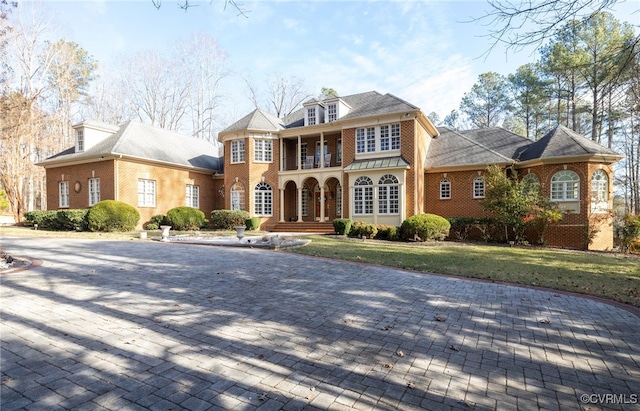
[
  {"x": 283, "y": 95},
  {"x": 187, "y": 4}
]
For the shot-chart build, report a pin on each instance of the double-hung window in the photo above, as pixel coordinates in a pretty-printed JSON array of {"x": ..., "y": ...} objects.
[
  {"x": 193, "y": 196},
  {"x": 445, "y": 189},
  {"x": 263, "y": 151},
  {"x": 332, "y": 112},
  {"x": 80, "y": 138},
  {"x": 237, "y": 151},
  {"x": 311, "y": 116},
  {"x": 599, "y": 192},
  {"x": 378, "y": 139},
  {"x": 478, "y": 187},
  {"x": 63, "y": 189},
  {"x": 94, "y": 191},
  {"x": 237, "y": 197},
  {"x": 146, "y": 193}
]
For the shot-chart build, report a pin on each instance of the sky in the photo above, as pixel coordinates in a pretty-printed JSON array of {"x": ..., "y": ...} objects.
[{"x": 427, "y": 52}]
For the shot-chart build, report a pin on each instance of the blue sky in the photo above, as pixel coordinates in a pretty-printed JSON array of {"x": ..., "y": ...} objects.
[{"x": 422, "y": 51}]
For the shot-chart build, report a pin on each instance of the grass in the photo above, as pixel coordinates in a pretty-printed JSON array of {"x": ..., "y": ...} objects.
[{"x": 611, "y": 276}]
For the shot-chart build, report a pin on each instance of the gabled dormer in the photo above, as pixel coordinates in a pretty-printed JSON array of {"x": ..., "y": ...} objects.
[
  {"x": 335, "y": 109},
  {"x": 90, "y": 133},
  {"x": 313, "y": 112}
]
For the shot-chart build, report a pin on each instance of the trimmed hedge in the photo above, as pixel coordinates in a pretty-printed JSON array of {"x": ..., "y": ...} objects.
[
  {"x": 58, "y": 220},
  {"x": 252, "y": 223},
  {"x": 111, "y": 215},
  {"x": 228, "y": 219},
  {"x": 342, "y": 225},
  {"x": 185, "y": 218},
  {"x": 425, "y": 227},
  {"x": 361, "y": 229},
  {"x": 155, "y": 222},
  {"x": 388, "y": 232}
]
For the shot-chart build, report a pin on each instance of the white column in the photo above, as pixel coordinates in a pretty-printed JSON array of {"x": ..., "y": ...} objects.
[
  {"x": 299, "y": 205},
  {"x": 281, "y": 204},
  {"x": 282, "y": 158},
  {"x": 299, "y": 154},
  {"x": 321, "y": 154},
  {"x": 322, "y": 201}
]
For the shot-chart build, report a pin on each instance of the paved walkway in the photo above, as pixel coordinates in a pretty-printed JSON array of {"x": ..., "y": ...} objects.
[{"x": 127, "y": 325}]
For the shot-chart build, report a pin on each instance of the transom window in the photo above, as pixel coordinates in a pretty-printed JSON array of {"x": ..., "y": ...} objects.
[
  {"x": 377, "y": 139},
  {"x": 193, "y": 196},
  {"x": 94, "y": 191},
  {"x": 388, "y": 195},
  {"x": 263, "y": 150},
  {"x": 599, "y": 192},
  {"x": 237, "y": 151},
  {"x": 146, "y": 193},
  {"x": 63, "y": 189},
  {"x": 263, "y": 200},
  {"x": 478, "y": 187},
  {"x": 565, "y": 186},
  {"x": 445, "y": 189},
  {"x": 237, "y": 197},
  {"x": 363, "y": 196}
]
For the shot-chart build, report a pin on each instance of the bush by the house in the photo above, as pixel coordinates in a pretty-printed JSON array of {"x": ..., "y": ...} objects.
[
  {"x": 111, "y": 215},
  {"x": 155, "y": 222},
  {"x": 252, "y": 223},
  {"x": 73, "y": 220},
  {"x": 425, "y": 227},
  {"x": 628, "y": 232},
  {"x": 58, "y": 220},
  {"x": 342, "y": 225},
  {"x": 228, "y": 219},
  {"x": 185, "y": 218},
  {"x": 360, "y": 229},
  {"x": 388, "y": 232}
]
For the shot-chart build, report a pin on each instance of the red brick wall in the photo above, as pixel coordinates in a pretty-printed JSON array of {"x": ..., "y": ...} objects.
[
  {"x": 80, "y": 173},
  {"x": 461, "y": 203}
]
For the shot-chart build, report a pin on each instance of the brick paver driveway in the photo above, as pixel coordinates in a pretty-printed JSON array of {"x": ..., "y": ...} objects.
[{"x": 124, "y": 325}]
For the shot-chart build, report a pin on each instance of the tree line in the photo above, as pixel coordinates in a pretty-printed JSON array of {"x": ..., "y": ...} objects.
[{"x": 587, "y": 78}]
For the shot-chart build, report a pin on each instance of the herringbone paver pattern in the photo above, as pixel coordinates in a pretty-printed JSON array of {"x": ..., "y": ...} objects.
[{"x": 141, "y": 325}]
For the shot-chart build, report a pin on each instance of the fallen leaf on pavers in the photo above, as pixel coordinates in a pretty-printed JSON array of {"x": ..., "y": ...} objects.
[
  {"x": 261, "y": 357},
  {"x": 388, "y": 327},
  {"x": 400, "y": 353},
  {"x": 157, "y": 320},
  {"x": 463, "y": 403},
  {"x": 263, "y": 396},
  {"x": 8, "y": 380},
  {"x": 524, "y": 299},
  {"x": 312, "y": 388},
  {"x": 411, "y": 384},
  {"x": 545, "y": 321},
  {"x": 454, "y": 348},
  {"x": 441, "y": 318},
  {"x": 387, "y": 365}
]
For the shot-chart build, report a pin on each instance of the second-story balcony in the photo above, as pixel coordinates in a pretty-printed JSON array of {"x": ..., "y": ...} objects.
[{"x": 303, "y": 154}]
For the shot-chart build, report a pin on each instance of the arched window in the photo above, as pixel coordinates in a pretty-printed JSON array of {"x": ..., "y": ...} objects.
[
  {"x": 388, "y": 195},
  {"x": 565, "y": 186},
  {"x": 478, "y": 187},
  {"x": 445, "y": 189},
  {"x": 237, "y": 197},
  {"x": 531, "y": 183},
  {"x": 263, "y": 200},
  {"x": 363, "y": 196},
  {"x": 599, "y": 192}
]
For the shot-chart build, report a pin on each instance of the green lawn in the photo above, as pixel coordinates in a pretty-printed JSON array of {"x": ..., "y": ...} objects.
[{"x": 612, "y": 276}]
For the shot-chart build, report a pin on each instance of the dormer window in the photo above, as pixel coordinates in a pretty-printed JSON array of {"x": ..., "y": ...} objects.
[
  {"x": 80, "y": 140},
  {"x": 311, "y": 116},
  {"x": 332, "y": 112}
]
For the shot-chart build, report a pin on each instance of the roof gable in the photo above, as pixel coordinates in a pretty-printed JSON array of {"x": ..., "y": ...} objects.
[
  {"x": 563, "y": 142},
  {"x": 256, "y": 120}
]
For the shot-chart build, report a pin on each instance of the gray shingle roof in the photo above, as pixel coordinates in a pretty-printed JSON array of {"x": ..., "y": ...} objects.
[
  {"x": 256, "y": 120},
  {"x": 454, "y": 148},
  {"x": 563, "y": 142},
  {"x": 134, "y": 139},
  {"x": 366, "y": 104}
]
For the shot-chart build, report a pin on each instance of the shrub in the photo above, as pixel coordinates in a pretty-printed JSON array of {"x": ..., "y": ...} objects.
[
  {"x": 252, "y": 223},
  {"x": 628, "y": 231},
  {"x": 388, "y": 232},
  {"x": 228, "y": 219},
  {"x": 361, "y": 229},
  {"x": 111, "y": 215},
  {"x": 342, "y": 225},
  {"x": 205, "y": 224},
  {"x": 72, "y": 220},
  {"x": 155, "y": 222},
  {"x": 185, "y": 218},
  {"x": 426, "y": 227},
  {"x": 46, "y": 220}
]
